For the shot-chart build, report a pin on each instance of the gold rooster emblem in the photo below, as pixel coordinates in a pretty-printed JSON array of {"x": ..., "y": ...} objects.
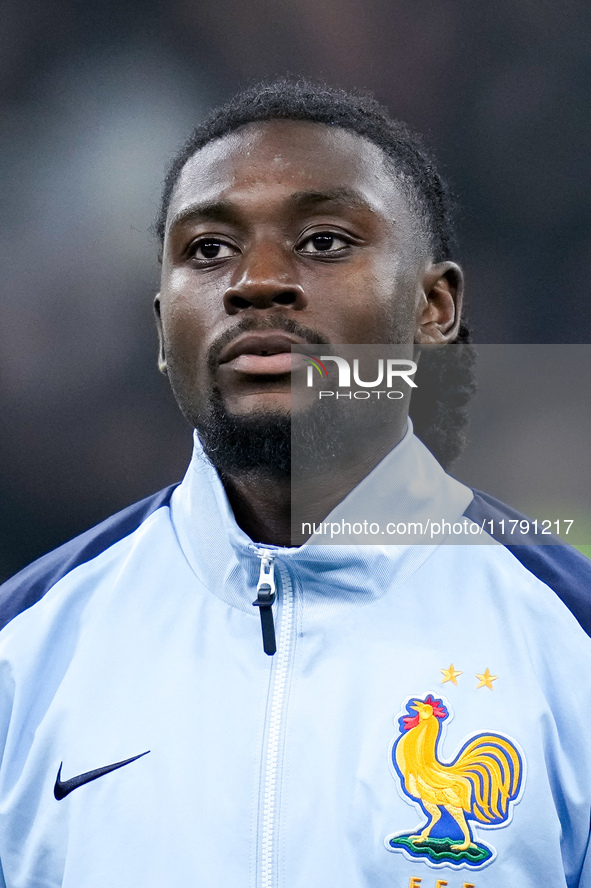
[{"x": 478, "y": 785}]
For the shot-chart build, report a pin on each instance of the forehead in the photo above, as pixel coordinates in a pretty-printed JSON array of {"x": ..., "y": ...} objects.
[{"x": 276, "y": 158}]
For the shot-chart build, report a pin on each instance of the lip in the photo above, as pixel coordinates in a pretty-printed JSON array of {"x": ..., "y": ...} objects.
[{"x": 265, "y": 345}]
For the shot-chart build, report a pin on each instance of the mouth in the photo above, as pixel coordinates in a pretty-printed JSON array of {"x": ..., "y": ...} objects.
[{"x": 263, "y": 353}]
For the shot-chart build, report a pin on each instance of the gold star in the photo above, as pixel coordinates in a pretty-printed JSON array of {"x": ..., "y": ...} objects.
[
  {"x": 486, "y": 679},
  {"x": 450, "y": 674}
]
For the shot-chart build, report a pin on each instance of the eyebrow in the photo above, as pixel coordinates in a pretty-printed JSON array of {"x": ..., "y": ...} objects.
[
  {"x": 210, "y": 211},
  {"x": 343, "y": 197}
]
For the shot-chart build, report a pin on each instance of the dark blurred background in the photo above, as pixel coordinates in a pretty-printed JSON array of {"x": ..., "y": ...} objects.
[{"x": 96, "y": 98}]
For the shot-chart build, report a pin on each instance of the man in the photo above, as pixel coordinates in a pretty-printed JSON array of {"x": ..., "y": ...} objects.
[{"x": 419, "y": 714}]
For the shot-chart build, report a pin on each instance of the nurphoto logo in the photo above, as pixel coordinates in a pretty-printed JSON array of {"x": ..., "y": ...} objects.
[{"x": 388, "y": 371}]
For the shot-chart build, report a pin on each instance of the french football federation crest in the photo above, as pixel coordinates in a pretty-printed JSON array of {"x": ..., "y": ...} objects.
[{"x": 480, "y": 785}]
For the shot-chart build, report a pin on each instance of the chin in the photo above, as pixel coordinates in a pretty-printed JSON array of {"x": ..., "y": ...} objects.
[
  {"x": 267, "y": 404},
  {"x": 255, "y": 441}
]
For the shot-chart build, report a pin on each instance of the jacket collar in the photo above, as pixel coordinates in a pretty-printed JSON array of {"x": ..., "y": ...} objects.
[{"x": 409, "y": 484}]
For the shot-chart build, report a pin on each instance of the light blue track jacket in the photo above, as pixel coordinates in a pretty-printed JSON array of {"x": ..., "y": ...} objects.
[{"x": 425, "y": 721}]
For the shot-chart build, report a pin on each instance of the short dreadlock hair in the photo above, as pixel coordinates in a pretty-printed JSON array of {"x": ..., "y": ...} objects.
[{"x": 441, "y": 418}]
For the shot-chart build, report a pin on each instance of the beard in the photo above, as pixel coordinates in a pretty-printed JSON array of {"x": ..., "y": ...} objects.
[
  {"x": 274, "y": 444},
  {"x": 268, "y": 444},
  {"x": 257, "y": 444}
]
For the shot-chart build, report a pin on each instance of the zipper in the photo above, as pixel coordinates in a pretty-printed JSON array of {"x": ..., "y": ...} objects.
[
  {"x": 266, "y": 592},
  {"x": 271, "y": 776}
]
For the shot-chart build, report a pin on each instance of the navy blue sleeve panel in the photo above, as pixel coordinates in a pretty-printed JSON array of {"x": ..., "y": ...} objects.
[
  {"x": 561, "y": 567},
  {"x": 30, "y": 585}
]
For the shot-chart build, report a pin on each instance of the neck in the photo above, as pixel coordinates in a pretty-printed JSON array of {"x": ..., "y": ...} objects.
[{"x": 262, "y": 505}]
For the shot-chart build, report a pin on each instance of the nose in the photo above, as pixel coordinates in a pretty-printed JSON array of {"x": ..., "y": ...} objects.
[{"x": 265, "y": 279}]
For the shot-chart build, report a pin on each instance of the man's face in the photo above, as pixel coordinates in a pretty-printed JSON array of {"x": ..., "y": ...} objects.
[{"x": 282, "y": 233}]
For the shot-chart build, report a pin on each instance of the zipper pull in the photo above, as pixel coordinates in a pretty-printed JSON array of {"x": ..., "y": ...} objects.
[{"x": 264, "y": 600}]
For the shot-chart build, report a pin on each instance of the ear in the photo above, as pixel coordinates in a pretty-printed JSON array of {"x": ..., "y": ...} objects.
[
  {"x": 161, "y": 355},
  {"x": 439, "y": 309}
]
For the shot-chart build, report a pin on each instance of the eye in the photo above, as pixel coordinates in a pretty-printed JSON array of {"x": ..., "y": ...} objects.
[
  {"x": 209, "y": 248},
  {"x": 323, "y": 242}
]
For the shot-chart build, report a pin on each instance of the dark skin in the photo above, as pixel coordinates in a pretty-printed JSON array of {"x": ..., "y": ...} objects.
[{"x": 291, "y": 220}]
